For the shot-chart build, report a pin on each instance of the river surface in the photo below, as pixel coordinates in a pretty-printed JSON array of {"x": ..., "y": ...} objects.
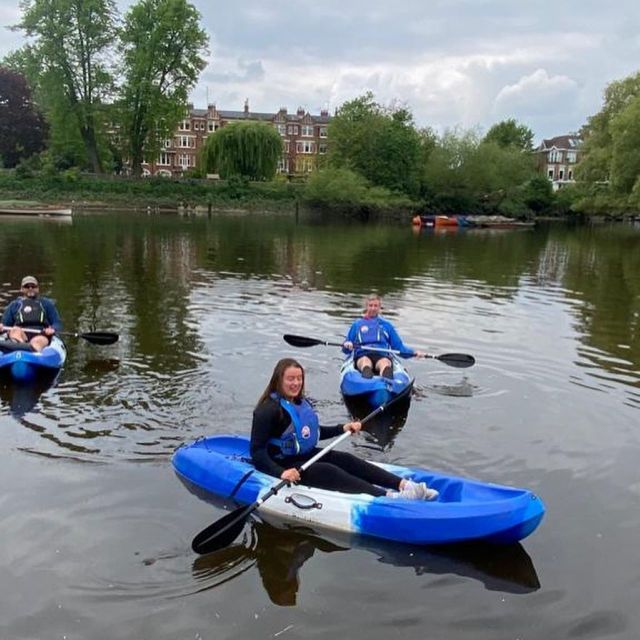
[{"x": 96, "y": 528}]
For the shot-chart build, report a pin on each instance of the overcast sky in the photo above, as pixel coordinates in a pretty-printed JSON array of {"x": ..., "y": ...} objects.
[{"x": 466, "y": 63}]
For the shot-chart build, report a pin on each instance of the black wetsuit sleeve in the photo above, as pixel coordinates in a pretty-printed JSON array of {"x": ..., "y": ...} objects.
[
  {"x": 269, "y": 421},
  {"x": 331, "y": 432}
]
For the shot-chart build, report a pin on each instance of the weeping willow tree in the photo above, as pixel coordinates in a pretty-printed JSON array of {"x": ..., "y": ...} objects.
[{"x": 247, "y": 149}]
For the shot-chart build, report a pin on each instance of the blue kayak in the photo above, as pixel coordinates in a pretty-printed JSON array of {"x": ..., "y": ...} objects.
[
  {"x": 376, "y": 390},
  {"x": 220, "y": 468},
  {"x": 24, "y": 364}
]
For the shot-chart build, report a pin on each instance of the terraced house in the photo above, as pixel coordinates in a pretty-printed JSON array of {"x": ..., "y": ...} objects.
[{"x": 304, "y": 138}]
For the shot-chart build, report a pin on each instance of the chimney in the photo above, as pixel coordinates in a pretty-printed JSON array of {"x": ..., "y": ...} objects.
[
  {"x": 300, "y": 112},
  {"x": 324, "y": 113},
  {"x": 246, "y": 107}
]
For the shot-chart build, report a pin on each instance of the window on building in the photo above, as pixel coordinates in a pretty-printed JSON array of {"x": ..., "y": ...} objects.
[
  {"x": 307, "y": 130},
  {"x": 185, "y": 125},
  {"x": 164, "y": 159},
  {"x": 282, "y": 129},
  {"x": 555, "y": 156},
  {"x": 322, "y": 148},
  {"x": 561, "y": 174},
  {"x": 304, "y": 165},
  {"x": 323, "y": 132},
  {"x": 185, "y": 142},
  {"x": 570, "y": 176},
  {"x": 571, "y": 157},
  {"x": 287, "y": 146},
  {"x": 550, "y": 174},
  {"x": 211, "y": 126},
  {"x": 305, "y": 146},
  {"x": 292, "y": 129},
  {"x": 168, "y": 143},
  {"x": 184, "y": 160},
  {"x": 283, "y": 165}
]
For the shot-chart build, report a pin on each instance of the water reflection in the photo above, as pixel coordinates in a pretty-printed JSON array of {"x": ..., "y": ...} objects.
[
  {"x": 280, "y": 552},
  {"x": 22, "y": 398}
]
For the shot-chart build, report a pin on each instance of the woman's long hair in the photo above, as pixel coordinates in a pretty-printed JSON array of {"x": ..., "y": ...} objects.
[{"x": 275, "y": 384}]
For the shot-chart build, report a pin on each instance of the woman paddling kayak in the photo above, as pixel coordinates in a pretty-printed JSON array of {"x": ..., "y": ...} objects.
[{"x": 285, "y": 433}]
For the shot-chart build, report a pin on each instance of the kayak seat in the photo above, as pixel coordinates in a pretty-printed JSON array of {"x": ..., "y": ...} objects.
[{"x": 450, "y": 490}]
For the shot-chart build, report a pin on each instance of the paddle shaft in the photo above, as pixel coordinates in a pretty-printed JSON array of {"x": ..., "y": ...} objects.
[
  {"x": 226, "y": 529},
  {"x": 95, "y": 337},
  {"x": 461, "y": 360}
]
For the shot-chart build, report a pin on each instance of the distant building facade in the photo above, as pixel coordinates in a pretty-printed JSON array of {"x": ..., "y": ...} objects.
[
  {"x": 304, "y": 138},
  {"x": 557, "y": 159}
]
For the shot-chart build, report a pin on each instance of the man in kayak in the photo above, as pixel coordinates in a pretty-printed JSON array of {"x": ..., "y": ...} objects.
[
  {"x": 31, "y": 318},
  {"x": 377, "y": 333},
  {"x": 285, "y": 433}
]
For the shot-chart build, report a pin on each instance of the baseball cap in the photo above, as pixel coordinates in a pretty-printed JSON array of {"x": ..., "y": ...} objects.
[{"x": 28, "y": 280}]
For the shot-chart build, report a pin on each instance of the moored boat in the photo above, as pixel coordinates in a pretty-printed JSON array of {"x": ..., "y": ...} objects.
[
  {"x": 23, "y": 364},
  {"x": 377, "y": 390},
  {"x": 36, "y": 211},
  {"x": 465, "y": 510}
]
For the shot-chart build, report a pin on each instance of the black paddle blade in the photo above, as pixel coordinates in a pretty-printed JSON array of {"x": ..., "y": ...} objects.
[
  {"x": 222, "y": 532},
  {"x": 459, "y": 360},
  {"x": 99, "y": 337},
  {"x": 301, "y": 341}
]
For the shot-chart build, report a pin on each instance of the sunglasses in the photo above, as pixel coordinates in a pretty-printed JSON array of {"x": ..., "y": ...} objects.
[{"x": 30, "y": 286}]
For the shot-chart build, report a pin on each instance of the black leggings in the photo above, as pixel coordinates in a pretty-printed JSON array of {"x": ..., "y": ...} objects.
[{"x": 341, "y": 471}]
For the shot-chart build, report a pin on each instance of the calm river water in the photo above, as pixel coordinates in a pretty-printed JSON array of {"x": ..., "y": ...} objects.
[{"x": 96, "y": 528}]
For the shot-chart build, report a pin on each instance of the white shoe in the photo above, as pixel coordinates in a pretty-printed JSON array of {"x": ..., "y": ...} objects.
[{"x": 418, "y": 491}]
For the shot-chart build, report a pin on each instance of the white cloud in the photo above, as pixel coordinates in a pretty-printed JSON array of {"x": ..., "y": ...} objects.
[{"x": 453, "y": 62}]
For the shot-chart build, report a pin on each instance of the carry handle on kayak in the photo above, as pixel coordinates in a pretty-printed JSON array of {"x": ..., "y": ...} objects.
[
  {"x": 459, "y": 360},
  {"x": 94, "y": 337},
  {"x": 225, "y": 530}
]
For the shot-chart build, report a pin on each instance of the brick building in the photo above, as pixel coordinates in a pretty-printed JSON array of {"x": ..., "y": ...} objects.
[
  {"x": 304, "y": 138},
  {"x": 557, "y": 158}
]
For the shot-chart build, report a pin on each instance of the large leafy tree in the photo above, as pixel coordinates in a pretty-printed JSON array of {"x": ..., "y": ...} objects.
[
  {"x": 22, "y": 127},
  {"x": 71, "y": 38},
  {"x": 163, "y": 47},
  {"x": 245, "y": 149},
  {"x": 509, "y": 133},
  {"x": 380, "y": 143},
  {"x": 604, "y": 131}
]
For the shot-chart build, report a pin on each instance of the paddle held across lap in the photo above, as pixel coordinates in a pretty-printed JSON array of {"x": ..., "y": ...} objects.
[
  {"x": 94, "y": 337},
  {"x": 225, "y": 530},
  {"x": 459, "y": 360}
]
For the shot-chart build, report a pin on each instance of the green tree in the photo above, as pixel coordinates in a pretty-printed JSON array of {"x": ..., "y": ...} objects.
[
  {"x": 163, "y": 47},
  {"x": 71, "y": 39},
  {"x": 509, "y": 133},
  {"x": 464, "y": 174},
  {"x": 598, "y": 149},
  {"x": 22, "y": 127},
  {"x": 379, "y": 143},
  {"x": 247, "y": 149}
]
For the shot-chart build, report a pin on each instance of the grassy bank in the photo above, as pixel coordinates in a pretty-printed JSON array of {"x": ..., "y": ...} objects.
[{"x": 117, "y": 192}]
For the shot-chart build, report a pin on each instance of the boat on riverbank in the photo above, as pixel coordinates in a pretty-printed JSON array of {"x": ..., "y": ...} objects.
[
  {"x": 469, "y": 222},
  {"x": 36, "y": 211}
]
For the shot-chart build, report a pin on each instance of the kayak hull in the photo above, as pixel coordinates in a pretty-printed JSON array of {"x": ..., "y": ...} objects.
[
  {"x": 23, "y": 365},
  {"x": 375, "y": 391},
  {"x": 465, "y": 510}
]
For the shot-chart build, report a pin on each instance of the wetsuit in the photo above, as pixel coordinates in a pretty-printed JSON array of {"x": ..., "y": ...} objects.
[{"x": 336, "y": 471}]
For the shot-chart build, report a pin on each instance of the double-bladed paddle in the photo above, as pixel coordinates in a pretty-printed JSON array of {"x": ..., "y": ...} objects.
[
  {"x": 94, "y": 337},
  {"x": 459, "y": 360},
  {"x": 225, "y": 530}
]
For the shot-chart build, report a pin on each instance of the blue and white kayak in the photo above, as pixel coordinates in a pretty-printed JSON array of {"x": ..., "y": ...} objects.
[
  {"x": 376, "y": 390},
  {"x": 23, "y": 364},
  {"x": 220, "y": 467}
]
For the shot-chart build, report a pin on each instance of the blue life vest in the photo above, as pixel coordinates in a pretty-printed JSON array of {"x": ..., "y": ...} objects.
[
  {"x": 370, "y": 333},
  {"x": 302, "y": 435},
  {"x": 31, "y": 313}
]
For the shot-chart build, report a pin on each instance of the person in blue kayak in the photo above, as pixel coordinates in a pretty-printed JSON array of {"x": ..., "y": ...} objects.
[
  {"x": 376, "y": 333},
  {"x": 285, "y": 433},
  {"x": 35, "y": 313}
]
